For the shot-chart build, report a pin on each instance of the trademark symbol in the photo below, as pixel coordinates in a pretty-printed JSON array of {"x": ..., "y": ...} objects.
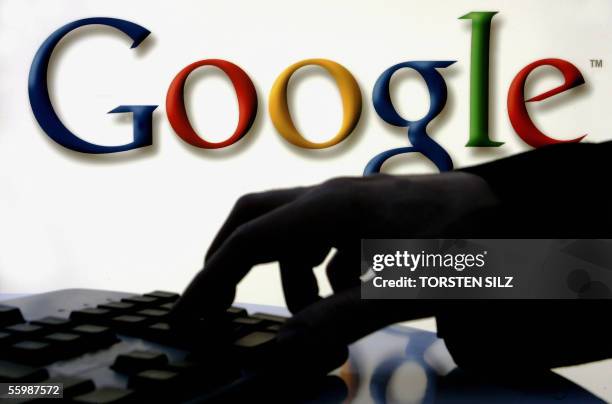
[{"x": 596, "y": 63}]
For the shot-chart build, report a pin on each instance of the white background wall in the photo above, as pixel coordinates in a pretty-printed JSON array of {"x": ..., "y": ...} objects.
[{"x": 139, "y": 221}]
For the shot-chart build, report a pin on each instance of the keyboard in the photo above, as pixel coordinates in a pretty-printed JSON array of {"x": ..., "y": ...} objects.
[{"x": 115, "y": 347}]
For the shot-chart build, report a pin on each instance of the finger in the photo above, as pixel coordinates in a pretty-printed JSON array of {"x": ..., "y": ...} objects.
[
  {"x": 270, "y": 237},
  {"x": 299, "y": 282},
  {"x": 343, "y": 269},
  {"x": 344, "y": 318},
  {"x": 249, "y": 207}
]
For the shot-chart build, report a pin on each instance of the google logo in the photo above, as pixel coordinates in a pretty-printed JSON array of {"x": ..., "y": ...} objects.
[{"x": 420, "y": 141}]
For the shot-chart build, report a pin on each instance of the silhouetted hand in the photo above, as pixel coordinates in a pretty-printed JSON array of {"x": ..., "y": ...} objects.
[
  {"x": 298, "y": 227},
  {"x": 524, "y": 196}
]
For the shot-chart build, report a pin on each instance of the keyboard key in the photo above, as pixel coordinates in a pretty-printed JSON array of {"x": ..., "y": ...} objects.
[
  {"x": 129, "y": 319},
  {"x": 67, "y": 344},
  {"x": 63, "y": 338},
  {"x": 106, "y": 395},
  {"x": 270, "y": 317},
  {"x": 167, "y": 306},
  {"x": 274, "y": 328},
  {"x": 13, "y": 372},
  {"x": 254, "y": 349},
  {"x": 164, "y": 333},
  {"x": 162, "y": 327},
  {"x": 73, "y": 386},
  {"x": 96, "y": 336},
  {"x": 53, "y": 323},
  {"x": 25, "y": 330},
  {"x": 117, "y": 307},
  {"x": 163, "y": 296},
  {"x": 6, "y": 338},
  {"x": 255, "y": 339},
  {"x": 91, "y": 315},
  {"x": 130, "y": 323},
  {"x": 244, "y": 325},
  {"x": 169, "y": 334},
  {"x": 10, "y": 315},
  {"x": 248, "y": 321},
  {"x": 32, "y": 352},
  {"x": 159, "y": 332},
  {"x": 138, "y": 361},
  {"x": 254, "y": 345},
  {"x": 154, "y": 379},
  {"x": 154, "y": 313},
  {"x": 142, "y": 301},
  {"x": 234, "y": 312}
]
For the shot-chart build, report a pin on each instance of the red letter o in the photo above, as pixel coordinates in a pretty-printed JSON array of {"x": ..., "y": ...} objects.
[{"x": 245, "y": 92}]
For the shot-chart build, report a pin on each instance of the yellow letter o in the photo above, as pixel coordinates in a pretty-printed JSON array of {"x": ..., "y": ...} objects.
[{"x": 349, "y": 92}]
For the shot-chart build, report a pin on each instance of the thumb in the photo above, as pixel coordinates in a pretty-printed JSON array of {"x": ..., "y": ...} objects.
[{"x": 343, "y": 318}]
